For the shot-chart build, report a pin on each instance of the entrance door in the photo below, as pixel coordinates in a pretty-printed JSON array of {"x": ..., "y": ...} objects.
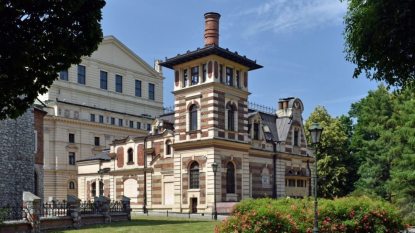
[{"x": 193, "y": 201}]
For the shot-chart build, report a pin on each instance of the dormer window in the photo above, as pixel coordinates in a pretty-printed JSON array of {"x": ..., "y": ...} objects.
[
  {"x": 229, "y": 76},
  {"x": 185, "y": 77},
  {"x": 256, "y": 131},
  {"x": 296, "y": 132},
  {"x": 195, "y": 75},
  {"x": 193, "y": 117}
]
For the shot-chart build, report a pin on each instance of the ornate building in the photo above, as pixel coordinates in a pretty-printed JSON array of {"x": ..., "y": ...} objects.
[
  {"x": 109, "y": 95},
  {"x": 259, "y": 154}
]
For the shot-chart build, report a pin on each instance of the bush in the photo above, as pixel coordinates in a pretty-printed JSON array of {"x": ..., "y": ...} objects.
[{"x": 350, "y": 214}]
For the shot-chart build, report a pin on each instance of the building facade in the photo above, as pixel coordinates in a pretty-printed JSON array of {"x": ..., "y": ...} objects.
[
  {"x": 111, "y": 94},
  {"x": 259, "y": 154}
]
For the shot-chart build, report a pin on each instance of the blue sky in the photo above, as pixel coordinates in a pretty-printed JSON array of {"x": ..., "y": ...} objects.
[{"x": 299, "y": 43}]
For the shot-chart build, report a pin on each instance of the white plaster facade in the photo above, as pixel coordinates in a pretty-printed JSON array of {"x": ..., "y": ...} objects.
[{"x": 96, "y": 115}]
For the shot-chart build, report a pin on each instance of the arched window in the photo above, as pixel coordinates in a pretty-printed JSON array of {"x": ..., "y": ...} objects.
[
  {"x": 230, "y": 178},
  {"x": 94, "y": 189},
  {"x": 193, "y": 117},
  {"x": 71, "y": 185},
  {"x": 130, "y": 156},
  {"x": 194, "y": 175},
  {"x": 230, "y": 108},
  {"x": 168, "y": 147}
]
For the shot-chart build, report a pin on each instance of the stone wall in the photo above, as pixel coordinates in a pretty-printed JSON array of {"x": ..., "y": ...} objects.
[{"x": 16, "y": 158}]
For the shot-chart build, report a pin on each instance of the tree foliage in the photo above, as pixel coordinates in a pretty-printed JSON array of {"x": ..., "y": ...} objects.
[
  {"x": 336, "y": 168},
  {"x": 37, "y": 40},
  {"x": 380, "y": 39}
]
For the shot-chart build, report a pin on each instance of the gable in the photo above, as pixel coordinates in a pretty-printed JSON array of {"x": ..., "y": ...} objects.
[{"x": 112, "y": 51}]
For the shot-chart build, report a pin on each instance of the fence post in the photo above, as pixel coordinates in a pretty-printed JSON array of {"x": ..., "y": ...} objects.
[
  {"x": 32, "y": 208},
  {"x": 74, "y": 210},
  {"x": 126, "y": 206},
  {"x": 103, "y": 205}
]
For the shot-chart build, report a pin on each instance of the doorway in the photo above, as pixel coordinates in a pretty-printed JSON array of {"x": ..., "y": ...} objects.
[{"x": 193, "y": 202}]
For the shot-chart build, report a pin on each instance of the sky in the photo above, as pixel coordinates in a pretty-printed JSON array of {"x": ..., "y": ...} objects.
[{"x": 300, "y": 44}]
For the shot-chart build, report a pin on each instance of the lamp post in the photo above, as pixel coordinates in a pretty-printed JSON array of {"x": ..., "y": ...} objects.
[
  {"x": 215, "y": 169},
  {"x": 315, "y": 132}
]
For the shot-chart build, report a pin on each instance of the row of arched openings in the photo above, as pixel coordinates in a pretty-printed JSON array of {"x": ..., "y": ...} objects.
[{"x": 230, "y": 109}]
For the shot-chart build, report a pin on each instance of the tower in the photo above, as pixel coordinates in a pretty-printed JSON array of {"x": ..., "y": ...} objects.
[{"x": 211, "y": 92}]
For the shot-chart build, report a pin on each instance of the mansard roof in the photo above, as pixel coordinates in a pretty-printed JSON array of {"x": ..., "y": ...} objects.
[{"x": 210, "y": 50}]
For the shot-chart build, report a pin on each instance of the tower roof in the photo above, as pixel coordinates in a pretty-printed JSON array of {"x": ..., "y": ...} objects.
[{"x": 210, "y": 50}]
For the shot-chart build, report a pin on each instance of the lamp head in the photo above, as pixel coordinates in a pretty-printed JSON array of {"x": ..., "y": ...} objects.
[{"x": 315, "y": 132}]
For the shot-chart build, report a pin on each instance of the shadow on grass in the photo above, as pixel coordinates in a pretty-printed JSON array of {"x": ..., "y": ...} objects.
[{"x": 141, "y": 222}]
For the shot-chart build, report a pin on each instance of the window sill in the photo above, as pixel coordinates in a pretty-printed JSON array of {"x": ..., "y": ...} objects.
[
  {"x": 130, "y": 163},
  {"x": 194, "y": 190}
]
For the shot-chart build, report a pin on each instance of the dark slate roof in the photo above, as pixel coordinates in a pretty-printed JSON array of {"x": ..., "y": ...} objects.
[
  {"x": 169, "y": 117},
  {"x": 210, "y": 50},
  {"x": 100, "y": 156}
]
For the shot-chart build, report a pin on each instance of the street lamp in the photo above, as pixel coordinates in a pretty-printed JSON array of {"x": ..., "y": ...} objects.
[
  {"x": 315, "y": 132},
  {"x": 215, "y": 169}
]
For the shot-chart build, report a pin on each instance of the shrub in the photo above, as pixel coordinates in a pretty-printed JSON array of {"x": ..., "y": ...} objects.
[{"x": 350, "y": 214}]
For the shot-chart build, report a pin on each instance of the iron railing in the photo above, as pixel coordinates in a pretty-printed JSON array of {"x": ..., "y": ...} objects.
[{"x": 261, "y": 108}]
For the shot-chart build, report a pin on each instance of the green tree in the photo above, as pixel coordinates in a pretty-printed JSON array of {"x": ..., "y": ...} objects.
[
  {"x": 39, "y": 39},
  {"x": 380, "y": 39},
  {"x": 334, "y": 165},
  {"x": 373, "y": 142},
  {"x": 402, "y": 182}
]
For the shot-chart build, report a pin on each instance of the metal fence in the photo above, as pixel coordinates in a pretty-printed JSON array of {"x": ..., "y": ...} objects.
[
  {"x": 88, "y": 207},
  {"x": 54, "y": 209},
  {"x": 189, "y": 215},
  {"x": 116, "y": 206}
]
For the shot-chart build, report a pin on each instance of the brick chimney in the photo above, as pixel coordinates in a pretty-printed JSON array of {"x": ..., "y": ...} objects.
[{"x": 212, "y": 28}]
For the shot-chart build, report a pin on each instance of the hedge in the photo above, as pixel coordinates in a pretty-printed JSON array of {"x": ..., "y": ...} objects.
[{"x": 349, "y": 214}]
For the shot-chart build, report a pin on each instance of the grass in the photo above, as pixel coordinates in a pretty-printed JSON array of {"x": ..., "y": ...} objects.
[{"x": 153, "y": 224}]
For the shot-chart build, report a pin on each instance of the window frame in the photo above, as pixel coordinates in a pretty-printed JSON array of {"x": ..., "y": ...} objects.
[
  {"x": 103, "y": 80},
  {"x": 151, "y": 91},
  {"x": 296, "y": 137},
  {"x": 92, "y": 117},
  {"x": 194, "y": 175},
  {"x": 97, "y": 141},
  {"x": 168, "y": 147},
  {"x": 71, "y": 158},
  {"x": 81, "y": 74},
  {"x": 71, "y": 185},
  {"x": 194, "y": 75},
  {"x": 138, "y": 84},
  {"x": 64, "y": 75},
  {"x": 118, "y": 83},
  {"x": 193, "y": 117},
  {"x": 185, "y": 78},
  {"x": 101, "y": 119},
  {"x": 120, "y": 122},
  {"x": 231, "y": 117},
  {"x": 71, "y": 138},
  {"x": 130, "y": 156},
  {"x": 229, "y": 76}
]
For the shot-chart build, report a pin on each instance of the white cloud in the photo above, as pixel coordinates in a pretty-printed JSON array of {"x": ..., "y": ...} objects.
[{"x": 281, "y": 16}]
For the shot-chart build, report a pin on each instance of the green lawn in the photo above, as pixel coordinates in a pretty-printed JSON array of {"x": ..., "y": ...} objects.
[{"x": 153, "y": 224}]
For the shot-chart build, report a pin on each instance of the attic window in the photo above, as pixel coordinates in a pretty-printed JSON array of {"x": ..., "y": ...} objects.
[
  {"x": 256, "y": 131},
  {"x": 266, "y": 129}
]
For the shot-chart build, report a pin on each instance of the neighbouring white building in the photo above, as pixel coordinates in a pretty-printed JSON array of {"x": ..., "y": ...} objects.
[{"x": 111, "y": 94}]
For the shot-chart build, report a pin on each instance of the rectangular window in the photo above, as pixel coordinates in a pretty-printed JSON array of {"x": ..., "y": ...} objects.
[
  {"x": 151, "y": 91},
  {"x": 103, "y": 78},
  {"x": 249, "y": 130},
  {"x": 185, "y": 78},
  {"x": 92, "y": 117},
  {"x": 291, "y": 183},
  {"x": 131, "y": 124},
  {"x": 96, "y": 141},
  {"x": 300, "y": 183},
  {"x": 138, "y": 125},
  {"x": 138, "y": 88},
  {"x": 296, "y": 137},
  {"x": 256, "y": 131},
  {"x": 238, "y": 79},
  {"x": 118, "y": 83},
  {"x": 71, "y": 138},
  {"x": 101, "y": 119},
  {"x": 204, "y": 73},
  {"x": 120, "y": 122},
  {"x": 81, "y": 74},
  {"x": 221, "y": 73},
  {"x": 63, "y": 75},
  {"x": 229, "y": 76},
  {"x": 112, "y": 121},
  {"x": 71, "y": 158},
  {"x": 148, "y": 127},
  {"x": 195, "y": 75}
]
